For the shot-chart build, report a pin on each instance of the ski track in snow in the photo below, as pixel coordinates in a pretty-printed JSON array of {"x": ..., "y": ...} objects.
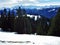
[{"x": 7, "y": 38}]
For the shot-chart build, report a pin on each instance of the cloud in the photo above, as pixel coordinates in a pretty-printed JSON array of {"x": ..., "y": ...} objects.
[
  {"x": 2, "y": 1},
  {"x": 41, "y": 4},
  {"x": 35, "y": 1},
  {"x": 28, "y": 1},
  {"x": 11, "y": 3},
  {"x": 8, "y": 3}
]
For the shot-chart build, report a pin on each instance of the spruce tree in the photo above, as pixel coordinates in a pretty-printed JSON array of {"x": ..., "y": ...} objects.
[
  {"x": 19, "y": 22},
  {"x": 0, "y": 21},
  {"x": 12, "y": 21},
  {"x": 27, "y": 25},
  {"x": 42, "y": 26},
  {"x": 55, "y": 25},
  {"x": 39, "y": 28},
  {"x": 9, "y": 21},
  {"x": 33, "y": 25},
  {"x": 3, "y": 18}
]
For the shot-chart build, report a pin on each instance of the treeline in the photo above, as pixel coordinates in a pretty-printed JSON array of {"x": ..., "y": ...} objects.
[{"x": 26, "y": 25}]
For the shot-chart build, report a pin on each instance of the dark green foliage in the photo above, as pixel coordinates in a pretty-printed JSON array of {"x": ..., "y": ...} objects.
[
  {"x": 0, "y": 21},
  {"x": 39, "y": 27},
  {"x": 19, "y": 22},
  {"x": 8, "y": 21},
  {"x": 33, "y": 25},
  {"x": 23, "y": 24},
  {"x": 12, "y": 21},
  {"x": 55, "y": 25},
  {"x": 19, "y": 12},
  {"x": 19, "y": 25},
  {"x": 42, "y": 26},
  {"x": 27, "y": 25},
  {"x": 3, "y": 20}
]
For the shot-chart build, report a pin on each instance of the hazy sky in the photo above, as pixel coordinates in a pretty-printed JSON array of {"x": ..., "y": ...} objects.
[
  {"x": 31, "y": 0},
  {"x": 9, "y": 3}
]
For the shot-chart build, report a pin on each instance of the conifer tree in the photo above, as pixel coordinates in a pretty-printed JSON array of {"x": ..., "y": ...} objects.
[
  {"x": 9, "y": 21},
  {"x": 33, "y": 25},
  {"x": 39, "y": 29},
  {"x": 27, "y": 25},
  {"x": 55, "y": 25},
  {"x": 0, "y": 21},
  {"x": 42, "y": 26},
  {"x": 3, "y": 18},
  {"x": 19, "y": 22},
  {"x": 12, "y": 21}
]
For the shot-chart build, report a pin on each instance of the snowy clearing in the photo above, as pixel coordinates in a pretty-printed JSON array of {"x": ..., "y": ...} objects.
[{"x": 7, "y": 38}]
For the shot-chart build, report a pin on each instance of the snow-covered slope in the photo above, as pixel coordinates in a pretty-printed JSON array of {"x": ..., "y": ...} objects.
[{"x": 26, "y": 39}]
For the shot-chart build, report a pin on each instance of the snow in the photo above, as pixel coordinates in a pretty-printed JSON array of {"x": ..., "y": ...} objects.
[
  {"x": 52, "y": 10},
  {"x": 7, "y": 38},
  {"x": 35, "y": 16}
]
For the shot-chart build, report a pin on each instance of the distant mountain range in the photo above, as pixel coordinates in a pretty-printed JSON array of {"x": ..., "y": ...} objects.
[{"x": 46, "y": 11}]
